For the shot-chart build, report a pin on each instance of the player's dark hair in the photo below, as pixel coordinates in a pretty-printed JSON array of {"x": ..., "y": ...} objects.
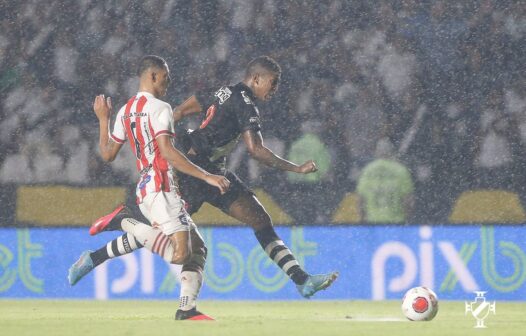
[
  {"x": 263, "y": 63},
  {"x": 150, "y": 61}
]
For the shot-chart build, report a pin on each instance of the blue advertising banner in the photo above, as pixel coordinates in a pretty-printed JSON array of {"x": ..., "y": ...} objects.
[{"x": 375, "y": 262}]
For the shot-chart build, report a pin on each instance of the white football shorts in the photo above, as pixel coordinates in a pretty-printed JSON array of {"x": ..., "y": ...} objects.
[{"x": 166, "y": 210}]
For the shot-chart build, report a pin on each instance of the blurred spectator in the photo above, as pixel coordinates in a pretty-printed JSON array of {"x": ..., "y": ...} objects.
[
  {"x": 500, "y": 146},
  {"x": 76, "y": 156},
  {"x": 385, "y": 188},
  {"x": 396, "y": 68},
  {"x": 309, "y": 146},
  {"x": 417, "y": 72},
  {"x": 364, "y": 123},
  {"x": 65, "y": 58}
]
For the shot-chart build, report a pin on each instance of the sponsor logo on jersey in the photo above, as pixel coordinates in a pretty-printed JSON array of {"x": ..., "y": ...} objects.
[
  {"x": 246, "y": 98},
  {"x": 144, "y": 181},
  {"x": 253, "y": 120},
  {"x": 209, "y": 115},
  {"x": 223, "y": 94},
  {"x": 183, "y": 218}
]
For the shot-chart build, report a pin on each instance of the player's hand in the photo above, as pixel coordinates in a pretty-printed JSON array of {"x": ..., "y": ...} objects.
[
  {"x": 218, "y": 181},
  {"x": 102, "y": 107},
  {"x": 307, "y": 168}
]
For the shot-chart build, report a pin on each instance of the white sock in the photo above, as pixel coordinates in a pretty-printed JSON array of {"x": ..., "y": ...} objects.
[
  {"x": 191, "y": 283},
  {"x": 151, "y": 238}
]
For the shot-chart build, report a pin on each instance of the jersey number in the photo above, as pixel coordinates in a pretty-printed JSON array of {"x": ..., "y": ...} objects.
[
  {"x": 209, "y": 115},
  {"x": 135, "y": 140}
]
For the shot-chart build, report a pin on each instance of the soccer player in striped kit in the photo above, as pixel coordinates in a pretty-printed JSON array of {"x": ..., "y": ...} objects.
[
  {"x": 147, "y": 123},
  {"x": 231, "y": 114}
]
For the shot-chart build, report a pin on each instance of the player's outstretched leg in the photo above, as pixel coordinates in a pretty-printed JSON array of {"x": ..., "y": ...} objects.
[
  {"x": 138, "y": 235},
  {"x": 80, "y": 268},
  {"x": 89, "y": 260},
  {"x": 124, "y": 244},
  {"x": 247, "y": 209}
]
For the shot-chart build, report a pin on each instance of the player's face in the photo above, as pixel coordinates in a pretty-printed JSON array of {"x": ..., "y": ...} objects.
[
  {"x": 162, "y": 80},
  {"x": 267, "y": 85}
]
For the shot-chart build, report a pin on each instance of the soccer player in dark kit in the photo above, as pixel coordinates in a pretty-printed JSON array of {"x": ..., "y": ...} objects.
[{"x": 230, "y": 113}]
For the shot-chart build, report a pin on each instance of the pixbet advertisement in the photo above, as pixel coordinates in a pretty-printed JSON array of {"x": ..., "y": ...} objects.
[{"x": 375, "y": 263}]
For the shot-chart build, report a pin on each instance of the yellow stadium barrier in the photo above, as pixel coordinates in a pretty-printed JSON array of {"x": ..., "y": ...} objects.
[
  {"x": 64, "y": 205},
  {"x": 488, "y": 206},
  {"x": 348, "y": 210}
]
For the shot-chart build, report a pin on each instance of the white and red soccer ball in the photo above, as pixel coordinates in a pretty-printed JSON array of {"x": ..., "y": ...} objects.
[{"x": 420, "y": 304}]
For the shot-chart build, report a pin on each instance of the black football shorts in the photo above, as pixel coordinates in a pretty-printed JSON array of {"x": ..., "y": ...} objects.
[{"x": 195, "y": 192}]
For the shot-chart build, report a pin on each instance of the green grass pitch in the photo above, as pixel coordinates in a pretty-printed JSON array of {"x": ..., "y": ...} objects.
[{"x": 280, "y": 318}]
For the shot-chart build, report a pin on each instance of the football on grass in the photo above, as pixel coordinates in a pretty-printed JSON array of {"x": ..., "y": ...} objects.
[{"x": 420, "y": 304}]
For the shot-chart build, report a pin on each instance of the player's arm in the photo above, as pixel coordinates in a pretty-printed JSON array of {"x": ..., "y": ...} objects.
[
  {"x": 254, "y": 142},
  {"x": 191, "y": 105},
  {"x": 180, "y": 162},
  {"x": 108, "y": 148}
]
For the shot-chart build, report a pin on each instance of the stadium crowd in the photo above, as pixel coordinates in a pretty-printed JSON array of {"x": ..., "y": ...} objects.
[{"x": 444, "y": 82}]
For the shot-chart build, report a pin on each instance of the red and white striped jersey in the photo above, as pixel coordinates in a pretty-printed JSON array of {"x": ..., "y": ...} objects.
[{"x": 141, "y": 121}]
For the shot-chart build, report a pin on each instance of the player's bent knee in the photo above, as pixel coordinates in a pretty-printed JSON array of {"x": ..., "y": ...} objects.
[
  {"x": 181, "y": 254},
  {"x": 181, "y": 257}
]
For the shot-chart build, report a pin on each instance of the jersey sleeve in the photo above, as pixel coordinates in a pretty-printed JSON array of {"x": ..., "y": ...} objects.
[
  {"x": 247, "y": 115},
  {"x": 163, "y": 121},
  {"x": 206, "y": 97},
  {"x": 119, "y": 132}
]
